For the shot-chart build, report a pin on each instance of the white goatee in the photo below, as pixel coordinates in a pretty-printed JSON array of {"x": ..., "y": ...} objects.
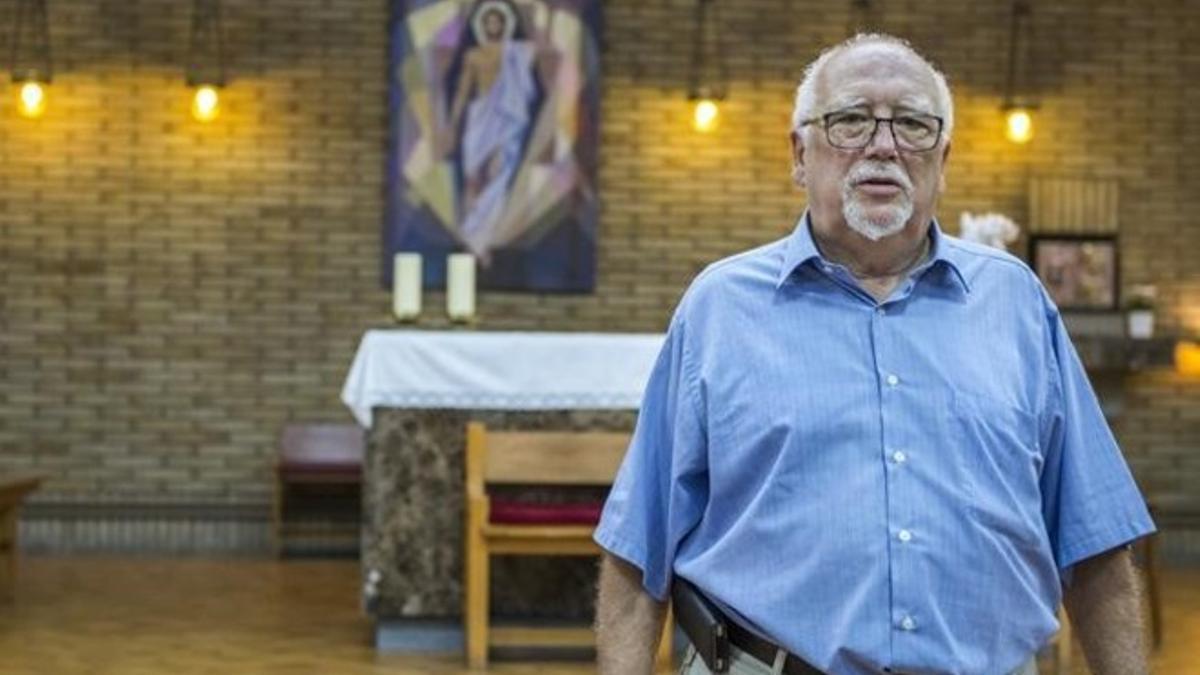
[{"x": 893, "y": 217}]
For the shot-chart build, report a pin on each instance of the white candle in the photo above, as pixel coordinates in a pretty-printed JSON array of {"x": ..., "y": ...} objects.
[
  {"x": 460, "y": 286},
  {"x": 406, "y": 286}
]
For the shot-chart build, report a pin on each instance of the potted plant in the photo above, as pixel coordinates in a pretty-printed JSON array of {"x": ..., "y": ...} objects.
[{"x": 1139, "y": 313}]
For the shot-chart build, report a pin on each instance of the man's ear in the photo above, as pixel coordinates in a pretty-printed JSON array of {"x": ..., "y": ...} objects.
[
  {"x": 942, "y": 177},
  {"x": 798, "y": 174}
]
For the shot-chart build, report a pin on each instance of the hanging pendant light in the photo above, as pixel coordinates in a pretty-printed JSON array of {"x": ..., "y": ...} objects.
[
  {"x": 1018, "y": 103},
  {"x": 206, "y": 60},
  {"x": 30, "y": 65},
  {"x": 706, "y": 76}
]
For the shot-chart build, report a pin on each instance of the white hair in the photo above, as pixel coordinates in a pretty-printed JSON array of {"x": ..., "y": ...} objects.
[{"x": 806, "y": 93}]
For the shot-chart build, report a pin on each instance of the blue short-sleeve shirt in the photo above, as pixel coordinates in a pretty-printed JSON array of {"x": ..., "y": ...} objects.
[{"x": 873, "y": 485}]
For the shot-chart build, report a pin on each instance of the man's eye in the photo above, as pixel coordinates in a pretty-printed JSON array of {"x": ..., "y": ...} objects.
[
  {"x": 915, "y": 124},
  {"x": 850, "y": 118}
]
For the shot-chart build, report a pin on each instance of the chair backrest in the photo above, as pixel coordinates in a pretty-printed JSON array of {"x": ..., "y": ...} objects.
[
  {"x": 334, "y": 445},
  {"x": 543, "y": 457},
  {"x": 13, "y": 487}
]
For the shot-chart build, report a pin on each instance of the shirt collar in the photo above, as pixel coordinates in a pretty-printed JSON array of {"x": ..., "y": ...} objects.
[{"x": 800, "y": 248}]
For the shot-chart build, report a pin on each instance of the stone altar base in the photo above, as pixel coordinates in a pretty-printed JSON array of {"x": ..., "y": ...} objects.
[{"x": 413, "y": 523}]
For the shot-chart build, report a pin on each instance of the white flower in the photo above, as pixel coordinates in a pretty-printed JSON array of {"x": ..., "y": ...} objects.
[{"x": 990, "y": 229}]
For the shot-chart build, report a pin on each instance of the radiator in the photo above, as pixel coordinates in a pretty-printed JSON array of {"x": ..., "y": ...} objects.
[{"x": 113, "y": 525}]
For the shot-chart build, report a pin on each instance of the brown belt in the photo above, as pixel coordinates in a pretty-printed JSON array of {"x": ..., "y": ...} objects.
[{"x": 765, "y": 650}]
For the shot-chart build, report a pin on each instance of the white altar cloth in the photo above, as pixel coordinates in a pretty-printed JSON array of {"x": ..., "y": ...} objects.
[{"x": 498, "y": 370}]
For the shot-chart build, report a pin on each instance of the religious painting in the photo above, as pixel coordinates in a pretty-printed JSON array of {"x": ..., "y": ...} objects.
[
  {"x": 494, "y": 128},
  {"x": 1080, "y": 272}
]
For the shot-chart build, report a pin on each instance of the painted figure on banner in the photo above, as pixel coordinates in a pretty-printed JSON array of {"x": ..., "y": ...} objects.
[
  {"x": 499, "y": 78},
  {"x": 494, "y": 112}
]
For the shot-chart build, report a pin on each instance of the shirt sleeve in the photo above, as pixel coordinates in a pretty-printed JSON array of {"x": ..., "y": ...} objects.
[
  {"x": 1090, "y": 502},
  {"x": 661, "y": 488}
]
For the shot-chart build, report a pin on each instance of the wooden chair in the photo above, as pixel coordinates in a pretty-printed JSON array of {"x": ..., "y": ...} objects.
[
  {"x": 1147, "y": 548},
  {"x": 13, "y": 489},
  {"x": 1062, "y": 644},
  {"x": 316, "y": 457},
  {"x": 507, "y": 528}
]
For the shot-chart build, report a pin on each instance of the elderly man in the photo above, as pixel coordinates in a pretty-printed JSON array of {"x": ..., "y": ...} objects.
[{"x": 871, "y": 446}]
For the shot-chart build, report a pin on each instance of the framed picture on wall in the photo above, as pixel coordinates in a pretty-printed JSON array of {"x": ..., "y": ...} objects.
[{"x": 1080, "y": 272}]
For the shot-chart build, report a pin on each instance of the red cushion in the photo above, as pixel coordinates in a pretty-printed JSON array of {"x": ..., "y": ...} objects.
[{"x": 506, "y": 511}]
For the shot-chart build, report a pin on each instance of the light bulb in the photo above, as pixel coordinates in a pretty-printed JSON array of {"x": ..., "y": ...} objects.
[
  {"x": 206, "y": 104},
  {"x": 704, "y": 118},
  {"x": 32, "y": 100},
  {"x": 1187, "y": 358},
  {"x": 1020, "y": 125}
]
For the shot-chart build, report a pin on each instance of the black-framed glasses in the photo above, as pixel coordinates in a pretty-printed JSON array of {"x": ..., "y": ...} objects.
[{"x": 854, "y": 128}]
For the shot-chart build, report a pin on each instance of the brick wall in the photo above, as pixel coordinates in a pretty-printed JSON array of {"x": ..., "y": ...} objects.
[{"x": 171, "y": 293}]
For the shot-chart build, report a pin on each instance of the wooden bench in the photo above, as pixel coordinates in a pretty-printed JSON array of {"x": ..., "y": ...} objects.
[
  {"x": 494, "y": 527},
  {"x": 13, "y": 489},
  {"x": 317, "y": 458}
]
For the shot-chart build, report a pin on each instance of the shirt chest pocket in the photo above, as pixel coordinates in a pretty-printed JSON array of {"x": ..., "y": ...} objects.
[{"x": 997, "y": 443}]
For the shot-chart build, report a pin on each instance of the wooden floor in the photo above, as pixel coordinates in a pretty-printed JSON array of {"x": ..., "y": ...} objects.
[{"x": 135, "y": 616}]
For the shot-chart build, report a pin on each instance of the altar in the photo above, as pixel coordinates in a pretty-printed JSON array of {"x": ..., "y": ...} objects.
[{"x": 414, "y": 392}]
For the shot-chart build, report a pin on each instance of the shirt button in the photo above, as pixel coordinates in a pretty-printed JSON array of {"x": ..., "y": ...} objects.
[
  {"x": 904, "y": 535},
  {"x": 880, "y": 311},
  {"x": 892, "y": 380},
  {"x": 899, "y": 457},
  {"x": 907, "y": 623}
]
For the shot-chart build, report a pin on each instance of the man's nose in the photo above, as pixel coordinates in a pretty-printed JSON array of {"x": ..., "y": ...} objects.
[{"x": 883, "y": 141}]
